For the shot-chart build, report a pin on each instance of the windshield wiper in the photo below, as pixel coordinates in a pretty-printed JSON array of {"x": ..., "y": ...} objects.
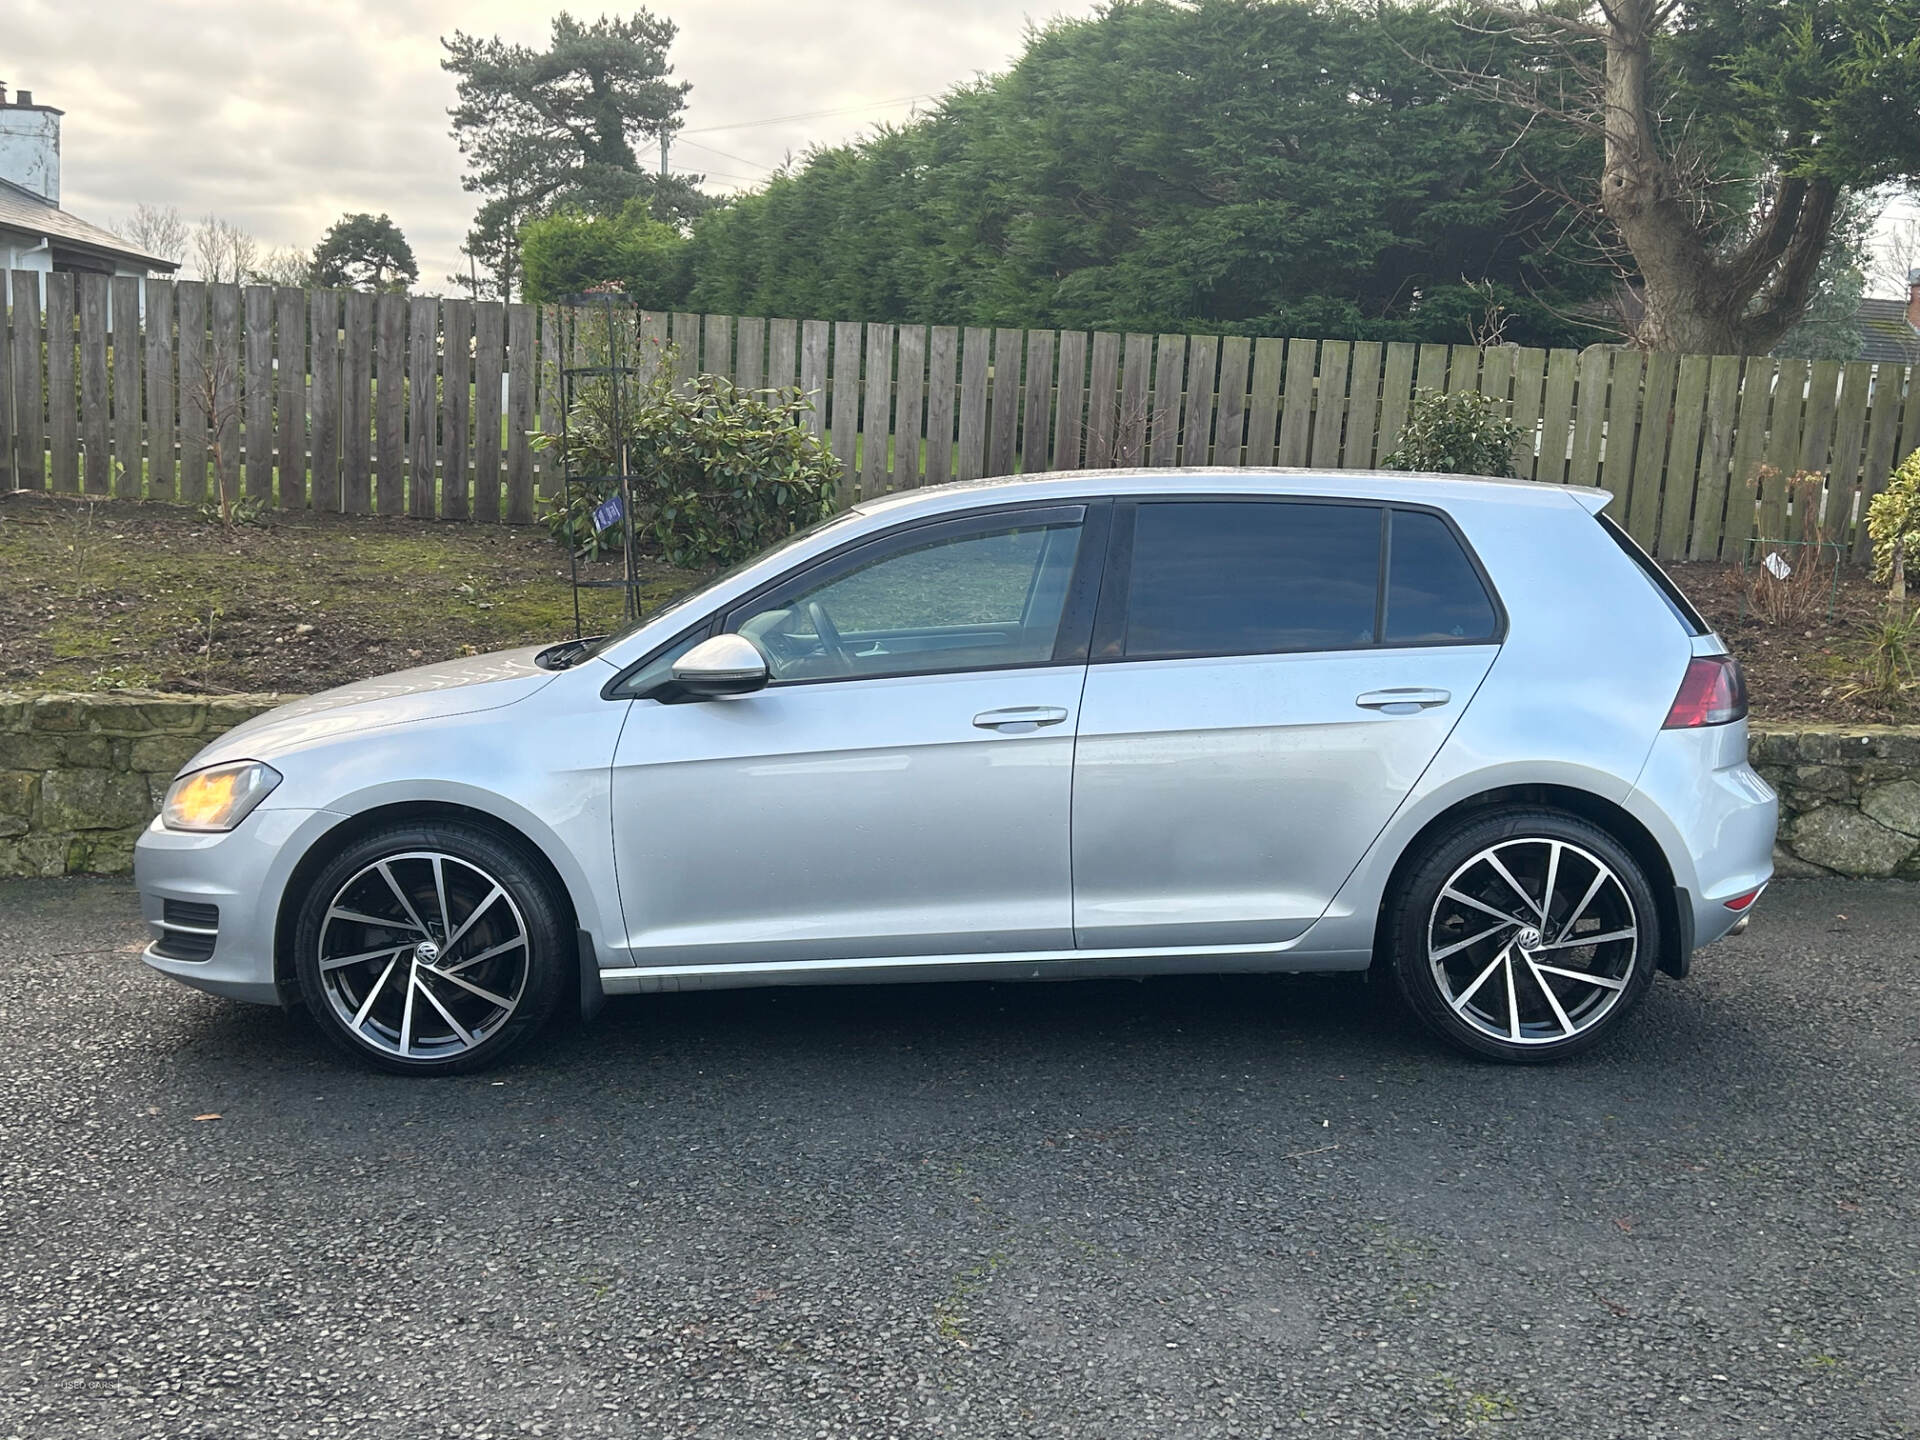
[{"x": 566, "y": 653}]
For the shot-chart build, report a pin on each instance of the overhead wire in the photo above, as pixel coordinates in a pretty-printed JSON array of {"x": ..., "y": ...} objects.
[{"x": 804, "y": 115}]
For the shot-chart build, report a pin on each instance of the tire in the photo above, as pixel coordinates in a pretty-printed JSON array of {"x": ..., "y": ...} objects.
[
  {"x": 1477, "y": 981},
  {"x": 407, "y": 981}
]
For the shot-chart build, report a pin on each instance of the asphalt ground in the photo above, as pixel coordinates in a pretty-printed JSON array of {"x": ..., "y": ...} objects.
[{"x": 1197, "y": 1207}]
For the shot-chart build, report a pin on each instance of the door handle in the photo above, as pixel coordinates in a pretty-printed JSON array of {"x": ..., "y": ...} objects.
[
  {"x": 1019, "y": 719},
  {"x": 1406, "y": 701}
]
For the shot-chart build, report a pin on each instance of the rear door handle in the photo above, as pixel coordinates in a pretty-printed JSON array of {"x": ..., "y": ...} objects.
[
  {"x": 1019, "y": 719},
  {"x": 1406, "y": 701}
]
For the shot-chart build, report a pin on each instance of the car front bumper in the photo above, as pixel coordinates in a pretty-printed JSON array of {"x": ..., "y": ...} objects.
[{"x": 243, "y": 874}]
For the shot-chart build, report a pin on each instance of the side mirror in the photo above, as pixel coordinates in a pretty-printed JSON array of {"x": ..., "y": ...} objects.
[{"x": 721, "y": 665}]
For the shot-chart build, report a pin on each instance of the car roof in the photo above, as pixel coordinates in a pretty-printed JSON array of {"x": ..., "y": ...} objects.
[{"x": 1413, "y": 487}]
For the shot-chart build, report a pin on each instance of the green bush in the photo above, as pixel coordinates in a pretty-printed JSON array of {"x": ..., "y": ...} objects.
[
  {"x": 1459, "y": 434},
  {"x": 1893, "y": 520},
  {"x": 567, "y": 254},
  {"x": 720, "y": 473}
]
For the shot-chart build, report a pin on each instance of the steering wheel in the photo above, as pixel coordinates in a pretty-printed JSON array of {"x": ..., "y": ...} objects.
[{"x": 830, "y": 641}]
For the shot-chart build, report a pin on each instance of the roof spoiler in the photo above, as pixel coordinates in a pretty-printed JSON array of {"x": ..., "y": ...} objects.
[{"x": 1593, "y": 501}]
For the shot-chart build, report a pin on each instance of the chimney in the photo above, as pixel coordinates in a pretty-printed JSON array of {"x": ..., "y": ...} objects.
[
  {"x": 1913, "y": 297},
  {"x": 30, "y": 146}
]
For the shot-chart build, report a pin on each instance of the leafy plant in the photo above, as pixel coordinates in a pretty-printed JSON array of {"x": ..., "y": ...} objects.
[
  {"x": 1459, "y": 434},
  {"x": 1887, "y": 672},
  {"x": 566, "y": 253},
  {"x": 719, "y": 473},
  {"x": 238, "y": 510},
  {"x": 1893, "y": 520}
]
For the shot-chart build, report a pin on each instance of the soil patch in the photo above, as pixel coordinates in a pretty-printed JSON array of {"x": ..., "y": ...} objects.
[
  {"x": 121, "y": 595},
  {"x": 1799, "y": 670}
]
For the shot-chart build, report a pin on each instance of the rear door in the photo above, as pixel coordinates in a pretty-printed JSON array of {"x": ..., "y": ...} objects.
[{"x": 1269, "y": 678}]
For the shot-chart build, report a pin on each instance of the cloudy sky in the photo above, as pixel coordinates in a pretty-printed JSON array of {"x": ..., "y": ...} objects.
[{"x": 280, "y": 115}]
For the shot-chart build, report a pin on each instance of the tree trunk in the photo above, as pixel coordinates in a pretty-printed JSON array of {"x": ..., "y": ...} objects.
[{"x": 1694, "y": 300}]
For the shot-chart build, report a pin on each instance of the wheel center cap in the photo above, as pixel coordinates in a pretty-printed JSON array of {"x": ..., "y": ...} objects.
[
  {"x": 1528, "y": 939},
  {"x": 426, "y": 952}
]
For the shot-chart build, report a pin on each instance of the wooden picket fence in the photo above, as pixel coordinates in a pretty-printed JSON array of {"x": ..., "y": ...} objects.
[{"x": 395, "y": 404}]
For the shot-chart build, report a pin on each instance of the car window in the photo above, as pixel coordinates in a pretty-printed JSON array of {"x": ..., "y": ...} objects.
[
  {"x": 935, "y": 600},
  {"x": 1433, "y": 592},
  {"x": 1249, "y": 578}
]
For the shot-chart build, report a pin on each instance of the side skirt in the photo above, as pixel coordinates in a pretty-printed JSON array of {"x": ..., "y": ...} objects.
[{"x": 1026, "y": 965}]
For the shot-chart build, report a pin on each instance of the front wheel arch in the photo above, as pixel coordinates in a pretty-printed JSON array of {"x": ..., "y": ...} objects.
[
  {"x": 1583, "y": 804},
  {"x": 330, "y": 843}
]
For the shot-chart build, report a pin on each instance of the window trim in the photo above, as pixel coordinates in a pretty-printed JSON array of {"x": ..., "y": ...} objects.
[
  {"x": 1092, "y": 514},
  {"x": 1110, "y": 626}
]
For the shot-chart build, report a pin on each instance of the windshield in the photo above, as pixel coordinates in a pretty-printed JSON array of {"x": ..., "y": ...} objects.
[{"x": 686, "y": 598}]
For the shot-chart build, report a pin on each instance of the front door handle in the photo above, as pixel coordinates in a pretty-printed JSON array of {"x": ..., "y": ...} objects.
[
  {"x": 1019, "y": 719},
  {"x": 1406, "y": 701}
]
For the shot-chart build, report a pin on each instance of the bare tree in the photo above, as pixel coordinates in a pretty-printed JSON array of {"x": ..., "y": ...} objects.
[
  {"x": 283, "y": 267},
  {"x": 155, "y": 230},
  {"x": 222, "y": 251},
  {"x": 215, "y": 394}
]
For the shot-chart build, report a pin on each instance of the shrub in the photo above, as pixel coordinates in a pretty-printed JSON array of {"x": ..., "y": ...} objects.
[
  {"x": 1886, "y": 670},
  {"x": 1893, "y": 520},
  {"x": 568, "y": 253},
  {"x": 720, "y": 473},
  {"x": 1459, "y": 434}
]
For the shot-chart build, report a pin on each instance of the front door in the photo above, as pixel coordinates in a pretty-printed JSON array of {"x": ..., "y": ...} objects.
[
  {"x": 1258, "y": 705},
  {"x": 903, "y": 785}
]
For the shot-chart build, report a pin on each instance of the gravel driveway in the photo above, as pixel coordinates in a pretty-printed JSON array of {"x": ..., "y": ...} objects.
[{"x": 1174, "y": 1209}]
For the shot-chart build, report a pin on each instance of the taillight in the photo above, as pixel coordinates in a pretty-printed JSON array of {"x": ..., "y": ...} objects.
[{"x": 1712, "y": 692}]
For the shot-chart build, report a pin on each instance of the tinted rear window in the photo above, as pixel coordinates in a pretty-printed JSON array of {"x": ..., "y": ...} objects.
[
  {"x": 1677, "y": 602},
  {"x": 1234, "y": 578},
  {"x": 1433, "y": 592}
]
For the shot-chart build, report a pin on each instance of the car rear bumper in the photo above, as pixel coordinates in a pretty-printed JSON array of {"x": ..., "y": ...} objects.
[
  {"x": 1715, "y": 819},
  {"x": 229, "y": 885}
]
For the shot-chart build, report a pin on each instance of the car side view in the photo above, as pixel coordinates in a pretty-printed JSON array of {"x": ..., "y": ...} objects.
[{"x": 1096, "y": 724}]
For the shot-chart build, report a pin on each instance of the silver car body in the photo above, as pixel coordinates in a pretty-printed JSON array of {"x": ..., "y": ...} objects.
[{"x": 1236, "y": 813}]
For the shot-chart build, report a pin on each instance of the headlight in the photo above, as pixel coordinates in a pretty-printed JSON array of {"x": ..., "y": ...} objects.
[{"x": 219, "y": 797}]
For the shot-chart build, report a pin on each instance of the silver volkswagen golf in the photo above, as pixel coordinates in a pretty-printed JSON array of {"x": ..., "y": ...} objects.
[{"x": 1461, "y": 731}]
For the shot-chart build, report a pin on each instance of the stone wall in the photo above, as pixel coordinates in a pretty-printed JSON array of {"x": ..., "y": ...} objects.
[
  {"x": 81, "y": 775},
  {"x": 1849, "y": 798}
]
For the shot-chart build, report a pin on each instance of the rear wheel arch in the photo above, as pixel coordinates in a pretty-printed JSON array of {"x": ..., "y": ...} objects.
[
  {"x": 331, "y": 842},
  {"x": 1596, "y": 810}
]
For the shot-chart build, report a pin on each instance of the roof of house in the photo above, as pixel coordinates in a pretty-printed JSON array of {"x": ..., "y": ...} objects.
[
  {"x": 1885, "y": 334},
  {"x": 21, "y": 209}
]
